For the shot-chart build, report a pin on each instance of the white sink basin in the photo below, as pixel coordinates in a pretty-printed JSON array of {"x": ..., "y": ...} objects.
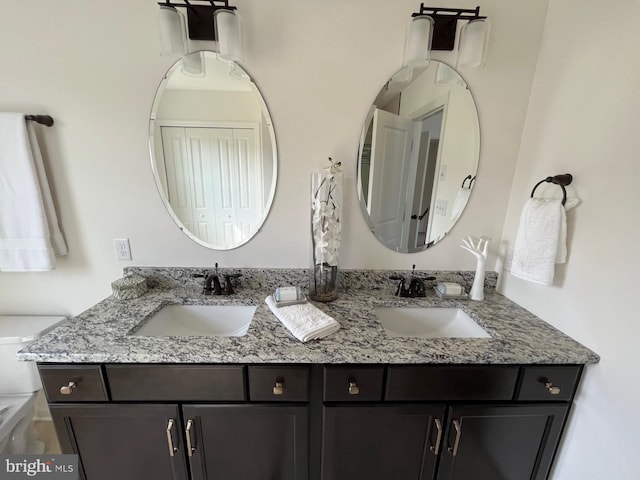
[
  {"x": 199, "y": 321},
  {"x": 428, "y": 322}
]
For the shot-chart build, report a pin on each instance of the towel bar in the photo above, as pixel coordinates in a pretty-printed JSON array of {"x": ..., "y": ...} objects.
[
  {"x": 562, "y": 180},
  {"x": 41, "y": 119}
]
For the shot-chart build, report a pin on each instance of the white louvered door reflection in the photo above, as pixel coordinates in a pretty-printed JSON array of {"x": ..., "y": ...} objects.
[{"x": 214, "y": 181}]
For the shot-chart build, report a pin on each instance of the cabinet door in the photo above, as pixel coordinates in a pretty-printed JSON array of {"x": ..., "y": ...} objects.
[
  {"x": 381, "y": 442},
  {"x": 501, "y": 442},
  {"x": 124, "y": 442},
  {"x": 238, "y": 442}
]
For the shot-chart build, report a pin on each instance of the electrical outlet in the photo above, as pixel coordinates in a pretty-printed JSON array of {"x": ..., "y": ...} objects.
[{"x": 123, "y": 250}]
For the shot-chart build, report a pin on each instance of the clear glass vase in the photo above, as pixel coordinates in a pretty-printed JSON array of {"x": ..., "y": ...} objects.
[{"x": 326, "y": 233}]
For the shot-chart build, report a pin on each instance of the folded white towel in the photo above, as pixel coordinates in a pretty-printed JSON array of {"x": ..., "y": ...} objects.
[
  {"x": 541, "y": 241},
  {"x": 306, "y": 322},
  {"x": 29, "y": 233}
]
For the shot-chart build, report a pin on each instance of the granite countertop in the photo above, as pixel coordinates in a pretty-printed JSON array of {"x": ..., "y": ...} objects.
[{"x": 102, "y": 334}]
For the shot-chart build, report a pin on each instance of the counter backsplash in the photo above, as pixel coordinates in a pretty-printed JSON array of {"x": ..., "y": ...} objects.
[{"x": 271, "y": 278}]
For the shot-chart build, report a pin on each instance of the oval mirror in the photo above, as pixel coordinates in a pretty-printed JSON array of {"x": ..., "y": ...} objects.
[
  {"x": 418, "y": 157},
  {"x": 213, "y": 150}
]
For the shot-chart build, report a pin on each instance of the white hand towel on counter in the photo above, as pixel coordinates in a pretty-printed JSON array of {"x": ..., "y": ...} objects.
[
  {"x": 541, "y": 241},
  {"x": 306, "y": 322},
  {"x": 29, "y": 233}
]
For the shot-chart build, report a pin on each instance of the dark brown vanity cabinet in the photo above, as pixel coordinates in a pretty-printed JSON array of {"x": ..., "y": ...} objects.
[
  {"x": 445, "y": 422},
  {"x": 300, "y": 422},
  {"x": 207, "y": 427}
]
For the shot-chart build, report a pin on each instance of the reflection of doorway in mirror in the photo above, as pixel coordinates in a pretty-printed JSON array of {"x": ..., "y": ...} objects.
[
  {"x": 422, "y": 170},
  {"x": 214, "y": 180}
]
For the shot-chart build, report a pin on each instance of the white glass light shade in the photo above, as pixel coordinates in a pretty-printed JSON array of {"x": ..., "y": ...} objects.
[
  {"x": 472, "y": 50},
  {"x": 229, "y": 35},
  {"x": 173, "y": 41},
  {"x": 417, "y": 47},
  {"x": 193, "y": 64},
  {"x": 446, "y": 76}
]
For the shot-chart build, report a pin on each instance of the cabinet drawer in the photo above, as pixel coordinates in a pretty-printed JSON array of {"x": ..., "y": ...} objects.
[
  {"x": 82, "y": 383},
  {"x": 458, "y": 382},
  {"x": 176, "y": 382},
  {"x": 552, "y": 383},
  {"x": 353, "y": 383},
  {"x": 278, "y": 384}
]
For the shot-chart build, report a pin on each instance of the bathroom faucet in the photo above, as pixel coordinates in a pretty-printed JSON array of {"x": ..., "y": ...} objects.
[
  {"x": 212, "y": 285},
  {"x": 416, "y": 288},
  {"x": 210, "y": 278}
]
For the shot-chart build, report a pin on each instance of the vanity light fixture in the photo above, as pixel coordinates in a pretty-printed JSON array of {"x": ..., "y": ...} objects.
[
  {"x": 474, "y": 35},
  {"x": 201, "y": 25},
  {"x": 229, "y": 35},
  {"x": 417, "y": 47},
  {"x": 172, "y": 38}
]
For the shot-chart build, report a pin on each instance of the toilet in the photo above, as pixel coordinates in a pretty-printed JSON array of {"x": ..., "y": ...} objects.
[{"x": 19, "y": 382}]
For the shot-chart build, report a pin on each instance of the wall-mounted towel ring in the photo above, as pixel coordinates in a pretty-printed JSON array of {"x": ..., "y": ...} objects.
[
  {"x": 562, "y": 180},
  {"x": 470, "y": 178}
]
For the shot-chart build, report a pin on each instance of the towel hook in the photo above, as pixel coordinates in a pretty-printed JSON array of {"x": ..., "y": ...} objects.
[{"x": 561, "y": 180}]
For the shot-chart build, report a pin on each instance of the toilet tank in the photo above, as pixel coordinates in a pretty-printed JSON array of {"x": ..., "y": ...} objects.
[{"x": 16, "y": 332}]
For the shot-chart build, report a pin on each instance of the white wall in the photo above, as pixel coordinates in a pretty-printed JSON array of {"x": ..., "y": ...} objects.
[
  {"x": 95, "y": 66},
  {"x": 583, "y": 119}
]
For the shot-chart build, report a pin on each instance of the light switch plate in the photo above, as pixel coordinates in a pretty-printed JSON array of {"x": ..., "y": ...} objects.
[{"x": 441, "y": 207}]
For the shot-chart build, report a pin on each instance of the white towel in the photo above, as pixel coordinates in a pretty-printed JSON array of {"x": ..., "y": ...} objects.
[
  {"x": 462, "y": 197},
  {"x": 541, "y": 241},
  {"x": 29, "y": 233},
  {"x": 306, "y": 322}
]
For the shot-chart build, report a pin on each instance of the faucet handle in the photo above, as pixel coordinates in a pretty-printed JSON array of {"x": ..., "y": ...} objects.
[
  {"x": 401, "y": 290},
  {"x": 228, "y": 286}
]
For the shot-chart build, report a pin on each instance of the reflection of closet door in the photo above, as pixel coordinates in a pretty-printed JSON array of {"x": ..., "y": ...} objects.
[
  {"x": 240, "y": 192},
  {"x": 214, "y": 181},
  {"x": 179, "y": 174}
]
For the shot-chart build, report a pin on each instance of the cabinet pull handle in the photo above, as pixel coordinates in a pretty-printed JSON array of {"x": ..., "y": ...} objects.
[
  {"x": 67, "y": 389},
  {"x": 553, "y": 390},
  {"x": 172, "y": 450},
  {"x": 436, "y": 448},
  {"x": 454, "y": 451},
  {"x": 278, "y": 388},
  {"x": 190, "y": 448},
  {"x": 353, "y": 388}
]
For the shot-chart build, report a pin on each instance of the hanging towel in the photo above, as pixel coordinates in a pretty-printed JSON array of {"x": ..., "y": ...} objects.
[
  {"x": 462, "y": 197},
  {"x": 541, "y": 241},
  {"x": 306, "y": 322},
  {"x": 29, "y": 233}
]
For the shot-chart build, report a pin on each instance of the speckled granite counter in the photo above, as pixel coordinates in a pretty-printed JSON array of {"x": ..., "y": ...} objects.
[{"x": 102, "y": 334}]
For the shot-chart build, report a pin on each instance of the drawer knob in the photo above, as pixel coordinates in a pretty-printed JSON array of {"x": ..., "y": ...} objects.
[
  {"x": 67, "y": 389},
  {"x": 353, "y": 388},
  {"x": 278, "y": 388},
  {"x": 553, "y": 390}
]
